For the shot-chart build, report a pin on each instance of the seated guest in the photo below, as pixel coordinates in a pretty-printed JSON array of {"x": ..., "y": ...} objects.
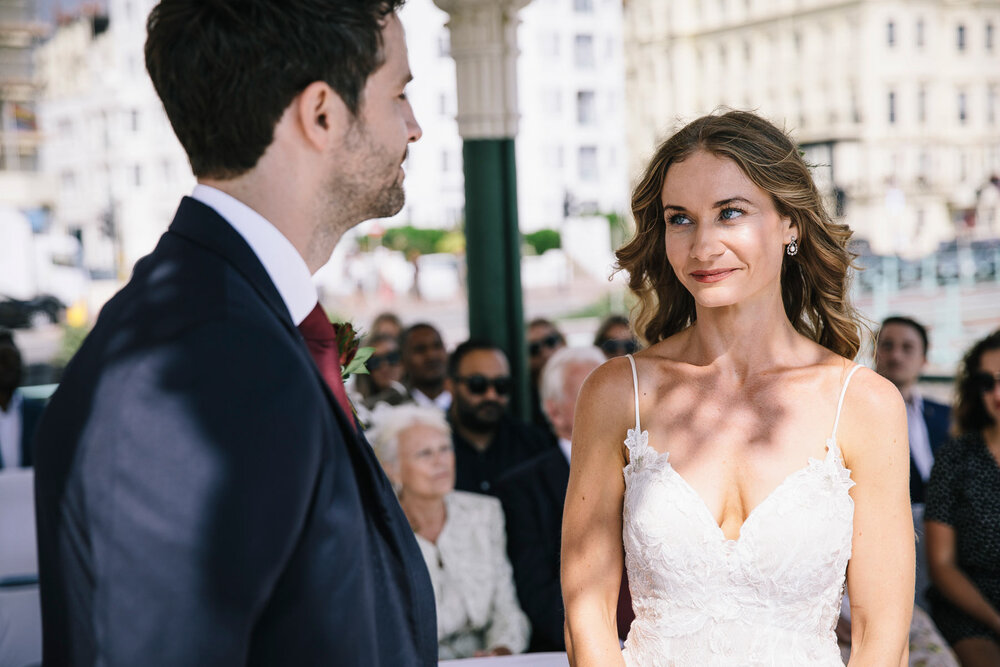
[
  {"x": 488, "y": 441},
  {"x": 460, "y": 534},
  {"x": 900, "y": 356},
  {"x": 543, "y": 339},
  {"x": 962, "y": 516},
  {"x": 383, "y": 383},
  {"x": 386, "y": 324},
  {"x": 18, "y": 414},
  {"x": 425, "y": 366},
  {"x": 615, "y": 337},
  {"x": 533, "y": 494}
]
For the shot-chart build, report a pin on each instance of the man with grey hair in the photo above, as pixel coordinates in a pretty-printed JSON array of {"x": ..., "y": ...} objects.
[{"x": 533, "y": 493}]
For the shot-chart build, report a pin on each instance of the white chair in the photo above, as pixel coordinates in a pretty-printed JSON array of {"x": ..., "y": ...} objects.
[{"x": 20, "y": 611}]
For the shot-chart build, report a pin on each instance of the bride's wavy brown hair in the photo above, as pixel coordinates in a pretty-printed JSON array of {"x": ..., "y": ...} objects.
[{"x": 814, "y": 283}]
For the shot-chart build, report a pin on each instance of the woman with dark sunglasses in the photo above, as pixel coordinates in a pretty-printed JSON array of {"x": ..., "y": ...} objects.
[
  {"x": 383, "y": 383},
  {"x": 962, "y": 516},
  {"x": 615, "y": 337}
]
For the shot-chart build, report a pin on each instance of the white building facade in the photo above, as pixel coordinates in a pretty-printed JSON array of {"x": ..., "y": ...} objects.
[
  {"x": 896, "y": 102},
  {"x": 119, "y": 168},
  {"x": 570, "y": 145}
]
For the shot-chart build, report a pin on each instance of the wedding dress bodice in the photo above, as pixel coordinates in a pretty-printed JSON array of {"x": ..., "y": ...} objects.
[{"x": 770, "y": 597}]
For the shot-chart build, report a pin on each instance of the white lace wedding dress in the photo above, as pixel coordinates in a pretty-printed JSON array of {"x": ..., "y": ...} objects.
[{"x": 771, "y": 597}]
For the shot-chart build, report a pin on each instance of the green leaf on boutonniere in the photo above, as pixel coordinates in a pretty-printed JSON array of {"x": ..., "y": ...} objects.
[{"x": 357, "y": 363}]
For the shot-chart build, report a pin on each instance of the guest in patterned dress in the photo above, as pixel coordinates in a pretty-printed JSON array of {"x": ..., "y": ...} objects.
[
  {"x": 963, "y": 514},
  {"x": 460, "y": 534}
]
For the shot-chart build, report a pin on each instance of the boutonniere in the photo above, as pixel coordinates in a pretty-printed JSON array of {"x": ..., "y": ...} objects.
[{"x": 352, "y": 355}]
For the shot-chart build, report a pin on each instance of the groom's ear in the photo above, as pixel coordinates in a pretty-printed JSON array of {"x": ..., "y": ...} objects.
[{"x": 321, "y": 114}]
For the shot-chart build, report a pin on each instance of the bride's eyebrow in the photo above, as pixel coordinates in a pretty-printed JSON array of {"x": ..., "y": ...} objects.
[{"x": 719, "y": 204}]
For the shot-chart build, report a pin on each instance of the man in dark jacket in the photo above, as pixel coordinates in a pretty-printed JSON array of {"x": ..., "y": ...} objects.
[{"x": 203, "y": 493}]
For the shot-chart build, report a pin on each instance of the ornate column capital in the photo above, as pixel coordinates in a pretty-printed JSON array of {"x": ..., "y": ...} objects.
[{"x": 484, "y": 46}]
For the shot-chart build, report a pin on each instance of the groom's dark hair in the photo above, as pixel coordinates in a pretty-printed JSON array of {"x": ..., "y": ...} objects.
[{"x": 226, "y": 70}]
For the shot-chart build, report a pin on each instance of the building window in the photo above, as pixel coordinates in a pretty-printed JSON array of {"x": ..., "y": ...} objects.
[
  {"x": 443, "y": 104},
  {"x": 962, "y": 108},
  {"x": 445, "y": 162},
  {"x": 134, "y": 120},
  {"x": 922, "y": 105},
  {"x": 583, "y": 6},
  {"x": 587, "y": 163},
  {"x": 920, "y": 33},
  {"x": 586, "y": 107},
  {"x": 989, "y": 36},
  {"x": 552, "y": 100},
  {"x": 550, "y": 44},
  {"x": 892, "y": 107},
  {"x": 583, "y": 52},
  {"x": 444, "y": 44},
  {"x": 890, "y": 34},
  {"x": 991, "y": 105},
  {"x": 960, "y": 37},
  {"x": 137, "y": 175}
]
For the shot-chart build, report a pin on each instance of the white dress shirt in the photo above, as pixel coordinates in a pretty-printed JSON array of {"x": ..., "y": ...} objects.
[
  {"x": 283, "y": 263},
  {"x": 567, "y": 447},
  {"x": 10, "y": 433},
  {"x": 920, "y": 442},
  {"x": 442, "y": 401}
]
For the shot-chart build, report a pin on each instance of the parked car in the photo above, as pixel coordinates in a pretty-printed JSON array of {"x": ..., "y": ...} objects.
[{"x": 32, "y": 313}]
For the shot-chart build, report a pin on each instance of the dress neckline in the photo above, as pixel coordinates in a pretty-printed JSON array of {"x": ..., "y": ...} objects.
[{"x": 638, "y": 438}]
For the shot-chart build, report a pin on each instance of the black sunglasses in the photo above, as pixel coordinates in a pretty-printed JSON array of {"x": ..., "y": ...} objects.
[
  {"x": 551, "y": 341},
  {"x": 986, "y": 382},
  {"x": 615, "y": 347},
  {"x": 479, "y": 384},
  {"x": 389, "y": 358}
]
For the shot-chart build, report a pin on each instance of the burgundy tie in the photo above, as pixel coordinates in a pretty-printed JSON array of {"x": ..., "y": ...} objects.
[{"x": 322, "y": 342}]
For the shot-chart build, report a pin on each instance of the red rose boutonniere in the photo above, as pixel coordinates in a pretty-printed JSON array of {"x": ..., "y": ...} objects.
[{"x": 352, "y": 355}]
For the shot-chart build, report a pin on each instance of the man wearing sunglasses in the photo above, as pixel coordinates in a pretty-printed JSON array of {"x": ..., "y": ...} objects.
[{"x": 487, "y": 440}]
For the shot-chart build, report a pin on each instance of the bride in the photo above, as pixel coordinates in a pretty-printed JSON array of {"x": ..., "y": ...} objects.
[{"x": 742, "y": 465}]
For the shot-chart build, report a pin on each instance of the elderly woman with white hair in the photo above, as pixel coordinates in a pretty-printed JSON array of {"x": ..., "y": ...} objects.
[{"x": 461, "y": 536}]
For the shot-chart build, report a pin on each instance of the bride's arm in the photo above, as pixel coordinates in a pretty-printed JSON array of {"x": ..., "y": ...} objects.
[
  {"x": 880, "y": 574},
  {"x": 592, "y": 552}
]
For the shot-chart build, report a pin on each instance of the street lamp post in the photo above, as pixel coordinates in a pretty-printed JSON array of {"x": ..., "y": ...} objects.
[{"x": 484, "y": 46}]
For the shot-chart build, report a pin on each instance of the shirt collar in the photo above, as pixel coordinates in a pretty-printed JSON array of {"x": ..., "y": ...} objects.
[
  {"x": 566, "y": 446},
  {"x": 916, "y": 400},
  {"x": 283, "y": 263}
]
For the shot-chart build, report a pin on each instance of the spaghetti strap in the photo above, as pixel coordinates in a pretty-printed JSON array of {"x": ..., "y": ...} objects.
[
  {"x": 840, "y": 404},
  {"x": 635, "y": 389}
]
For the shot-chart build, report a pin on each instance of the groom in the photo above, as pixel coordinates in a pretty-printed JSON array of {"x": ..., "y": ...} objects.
[{"x": 203, "y": 495}]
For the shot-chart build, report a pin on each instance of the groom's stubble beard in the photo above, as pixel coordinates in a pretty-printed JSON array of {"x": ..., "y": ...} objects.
[{"x": 366, "y": 181}]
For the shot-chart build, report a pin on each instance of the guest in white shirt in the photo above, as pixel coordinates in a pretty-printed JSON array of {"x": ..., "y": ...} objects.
[
  {"x": 460, "y": 534},
  {"x": 900, "y": 357},
  {"x": 425, "y": 366}
]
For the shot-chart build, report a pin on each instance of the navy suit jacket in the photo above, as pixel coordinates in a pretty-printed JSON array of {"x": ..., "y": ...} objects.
[
  {"x": 532, "y": 496},
  {"x": 937, "y": 416},
  {"x": 201, "y": 498}
]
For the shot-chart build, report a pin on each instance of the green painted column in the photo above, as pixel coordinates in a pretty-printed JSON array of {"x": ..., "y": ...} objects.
[
  {"x": 493, "y": 254},
  {"x": 484, "y": 45}
]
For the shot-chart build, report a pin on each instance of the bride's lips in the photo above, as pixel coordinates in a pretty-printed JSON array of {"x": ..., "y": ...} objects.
[{"x": 712, "y": 275}]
